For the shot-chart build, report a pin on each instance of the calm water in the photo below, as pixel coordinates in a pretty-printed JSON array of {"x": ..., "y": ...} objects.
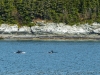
[{"x": 72, "y": 58}]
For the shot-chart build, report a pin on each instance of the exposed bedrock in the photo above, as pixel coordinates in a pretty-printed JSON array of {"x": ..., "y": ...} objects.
[{"x": 51, "y": 28}]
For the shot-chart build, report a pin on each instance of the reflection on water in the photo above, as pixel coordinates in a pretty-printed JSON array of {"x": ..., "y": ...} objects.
[{"x": 71, "y": 58}]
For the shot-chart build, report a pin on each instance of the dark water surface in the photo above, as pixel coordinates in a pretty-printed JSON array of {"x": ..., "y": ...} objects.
[{"x": 71, "y": 58}]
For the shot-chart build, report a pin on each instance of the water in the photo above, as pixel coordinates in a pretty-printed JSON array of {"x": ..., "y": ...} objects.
[{"x": 72, "y": 58}]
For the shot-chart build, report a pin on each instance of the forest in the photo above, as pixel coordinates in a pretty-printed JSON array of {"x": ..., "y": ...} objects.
[{"x": 65, "y": 11}]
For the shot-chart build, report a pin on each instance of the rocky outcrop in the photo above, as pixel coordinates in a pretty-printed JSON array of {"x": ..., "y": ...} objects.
[
  {"x": 5, "y": 28},
  {"x": 24, "y": 30},
  {"x": 97, "y": 31},
  {"x": 51, "y": 28},
  {"x": 10, "y": 29},
  {"x": 61, "y": 28}
]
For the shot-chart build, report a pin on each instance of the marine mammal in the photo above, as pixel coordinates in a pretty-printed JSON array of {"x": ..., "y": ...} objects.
[{"x": 19, "y": 52}]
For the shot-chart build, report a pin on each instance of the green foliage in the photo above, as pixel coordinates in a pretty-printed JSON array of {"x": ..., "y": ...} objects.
[{"x": 67, "y": 11}]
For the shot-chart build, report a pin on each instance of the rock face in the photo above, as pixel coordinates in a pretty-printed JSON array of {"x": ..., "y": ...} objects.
[
  {"x": 51, "y": 28},
  {"x": 5, "y": 28},
  {"x": 61, "y": 28},
  {"x": 9, "y": 29},
  {"x": 24, "y": 30}
]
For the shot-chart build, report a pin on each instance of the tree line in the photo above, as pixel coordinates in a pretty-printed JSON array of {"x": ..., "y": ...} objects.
[{"x": 66, "y": 11}]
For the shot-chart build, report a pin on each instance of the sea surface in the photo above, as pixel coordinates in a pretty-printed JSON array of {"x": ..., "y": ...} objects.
[{"x": 69, "y": 58}]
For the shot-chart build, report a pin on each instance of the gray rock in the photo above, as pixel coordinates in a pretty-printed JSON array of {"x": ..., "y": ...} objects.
[
  {"x": 61, "y": 28},
  {"x": 51, "y": 28},
  {"x": 97, "y": 31},
  {"x": 24, "y": 30}
]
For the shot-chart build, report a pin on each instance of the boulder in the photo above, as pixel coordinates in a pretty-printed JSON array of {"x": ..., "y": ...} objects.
[
  {"x": 97, "y": 31},
  {"x": 14, "y": 28},
  {"x": 9, "y": 28},
  {"x": 2, "y": 27},
  {"x": 24, "y": 30}
]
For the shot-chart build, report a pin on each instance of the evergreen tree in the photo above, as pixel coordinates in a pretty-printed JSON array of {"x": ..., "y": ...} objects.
[{"x": 67, "y": 11}]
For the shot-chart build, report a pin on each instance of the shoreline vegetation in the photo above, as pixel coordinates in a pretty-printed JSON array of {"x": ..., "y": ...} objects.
[{"x": 70, "y": 12}]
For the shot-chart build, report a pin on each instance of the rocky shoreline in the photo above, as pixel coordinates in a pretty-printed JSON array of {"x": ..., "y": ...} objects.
[
  {"x": 51, "y": 37},
  {"x": 50, "y": 31}
]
